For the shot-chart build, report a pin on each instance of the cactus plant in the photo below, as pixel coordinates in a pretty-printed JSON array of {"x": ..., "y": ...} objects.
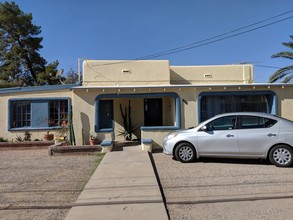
[{"x": 127, "y": 123}]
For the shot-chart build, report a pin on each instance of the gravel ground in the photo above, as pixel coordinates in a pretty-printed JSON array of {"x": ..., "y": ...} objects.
[
  {"x": 34, "y": 185},
  {"x": 225, "y": 189}
]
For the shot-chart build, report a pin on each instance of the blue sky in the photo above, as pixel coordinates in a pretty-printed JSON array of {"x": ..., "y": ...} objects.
[{"x": 128, "y": 29}]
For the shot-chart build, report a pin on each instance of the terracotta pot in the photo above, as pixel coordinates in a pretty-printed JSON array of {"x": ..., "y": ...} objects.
[
  {"x": 94, "y": 141},
  {"x": 48, "y": 137}
]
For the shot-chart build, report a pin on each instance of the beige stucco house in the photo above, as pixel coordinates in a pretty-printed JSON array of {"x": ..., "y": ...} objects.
[{"x": 161, "y": 97}]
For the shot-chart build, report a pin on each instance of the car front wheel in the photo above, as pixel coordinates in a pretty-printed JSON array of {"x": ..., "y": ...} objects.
[
  {"x": 281, "y": 156},
  {"x": 185, "y": 152}
]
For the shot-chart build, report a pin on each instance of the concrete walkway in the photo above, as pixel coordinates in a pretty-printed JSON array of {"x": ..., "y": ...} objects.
[{"x": 124, "y": 186}]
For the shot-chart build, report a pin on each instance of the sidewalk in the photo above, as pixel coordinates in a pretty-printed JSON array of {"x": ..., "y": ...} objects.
[{"x": 124, "y": 186}]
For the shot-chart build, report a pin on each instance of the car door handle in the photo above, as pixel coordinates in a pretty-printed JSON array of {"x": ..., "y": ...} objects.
[
  {"x": 272, "y": 135},
  {"x": 229, "y": 135}
]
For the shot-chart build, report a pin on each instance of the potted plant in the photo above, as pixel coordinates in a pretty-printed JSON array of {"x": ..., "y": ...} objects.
[
  {"x": 94, "y": 140},
  {"x": 61, "y": 136},
  {"x": 48, "y": 137}
]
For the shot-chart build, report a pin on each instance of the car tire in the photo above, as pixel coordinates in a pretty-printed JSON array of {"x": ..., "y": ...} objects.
[
  {"x": 281, "y": 156},
  {"x": 185, "y": 153}
]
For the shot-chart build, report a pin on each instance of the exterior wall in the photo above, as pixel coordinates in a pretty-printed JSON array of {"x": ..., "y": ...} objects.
[
  {"x": 83, "y": 103},
  {"x": 83, "y": 108},
  {"x": 36, "y": 134},
  {"x": 168, "y": 111},
  {"x": 117, "y": 73},
  {"x": 157, "y": 137},
  {"x": 285, "y": 102},
  {"x": 224, "y": 74}
]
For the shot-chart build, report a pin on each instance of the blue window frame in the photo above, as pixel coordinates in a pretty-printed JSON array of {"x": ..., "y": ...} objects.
[
  {"x": 99, "y": 117},
  {"x": 45, "y": 113},
  {"x": 213, "y": 103}
]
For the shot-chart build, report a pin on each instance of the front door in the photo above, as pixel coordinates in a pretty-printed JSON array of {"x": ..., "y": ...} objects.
[
  {"x": 106, "y": 114},
  {"x": 153, "y": 115}
]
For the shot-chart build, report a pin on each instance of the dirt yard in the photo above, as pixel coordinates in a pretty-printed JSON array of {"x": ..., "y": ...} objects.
[
  {"x": 34, "y": 185},
  {"x": 225, "y": 189}
]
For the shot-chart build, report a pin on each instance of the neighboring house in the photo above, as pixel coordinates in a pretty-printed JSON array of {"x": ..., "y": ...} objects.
[{"x": 162, "y": 98}]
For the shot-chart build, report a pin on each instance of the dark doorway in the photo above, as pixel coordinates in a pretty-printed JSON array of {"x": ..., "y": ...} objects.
[
  {"x": 153, "y": 115},
  {"x": 106, "y": 114}
]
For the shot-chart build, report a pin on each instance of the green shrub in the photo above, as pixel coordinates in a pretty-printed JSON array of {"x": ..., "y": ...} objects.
[
  {"x": 19, "y": 139},
  {"x": 3, "y": 139},
  {"x": 27, "y": 137}
]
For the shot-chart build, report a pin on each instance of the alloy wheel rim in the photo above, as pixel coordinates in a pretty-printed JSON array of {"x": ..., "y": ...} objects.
[
  {"x": 282, "y": 156},
  {"x": 185, "y": 153}
]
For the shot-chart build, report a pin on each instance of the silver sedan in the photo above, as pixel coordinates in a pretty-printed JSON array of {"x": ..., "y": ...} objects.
[{"x": 235, "y": 135}]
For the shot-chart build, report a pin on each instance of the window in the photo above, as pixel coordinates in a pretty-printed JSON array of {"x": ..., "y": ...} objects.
[
  {"x": 58, "y": 113},
  {"x": 38, "y": 113},
  {"x": 211, "y": 104},
  {"x": 252, "y": 122},
  {"x": 21, "y": 114},
  {"x": 223, "y": 123}
]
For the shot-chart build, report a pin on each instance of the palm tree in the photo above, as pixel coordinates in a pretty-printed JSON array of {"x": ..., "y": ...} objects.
[{"x": 285, "y": 73}]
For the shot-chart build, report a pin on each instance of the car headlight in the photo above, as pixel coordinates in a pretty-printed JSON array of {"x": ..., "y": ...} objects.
[{"x": 172, "y": 135}]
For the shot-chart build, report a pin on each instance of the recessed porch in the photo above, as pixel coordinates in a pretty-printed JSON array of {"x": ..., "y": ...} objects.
[{"x": 147, "y": 115}]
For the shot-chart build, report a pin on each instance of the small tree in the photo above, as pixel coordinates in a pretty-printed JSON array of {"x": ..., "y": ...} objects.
[
  {"x": 71, "y": 77},
  {"x": 286, "y": 73}
]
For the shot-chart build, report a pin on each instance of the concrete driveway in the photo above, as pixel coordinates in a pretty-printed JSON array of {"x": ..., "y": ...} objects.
[{"x": 225, "y": 189}]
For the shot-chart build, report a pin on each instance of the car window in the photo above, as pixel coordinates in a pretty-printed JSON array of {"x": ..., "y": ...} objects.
[
  {"x": 252, "y": 122},
  {"x": 223, "y": 123}
]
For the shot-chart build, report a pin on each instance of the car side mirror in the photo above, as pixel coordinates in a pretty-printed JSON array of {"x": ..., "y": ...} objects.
[{"x": 204, "y": 128}]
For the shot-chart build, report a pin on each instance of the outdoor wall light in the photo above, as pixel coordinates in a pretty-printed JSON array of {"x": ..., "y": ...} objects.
[{"x": 184, "y": 101}]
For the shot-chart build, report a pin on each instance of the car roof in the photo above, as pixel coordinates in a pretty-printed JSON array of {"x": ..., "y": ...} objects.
[{"x": 260, "y": 114}]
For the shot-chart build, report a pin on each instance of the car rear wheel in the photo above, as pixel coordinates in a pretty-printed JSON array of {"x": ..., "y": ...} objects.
[
  {"x": 185, "y": 152},
  {"x": 281, "y": 156}
]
